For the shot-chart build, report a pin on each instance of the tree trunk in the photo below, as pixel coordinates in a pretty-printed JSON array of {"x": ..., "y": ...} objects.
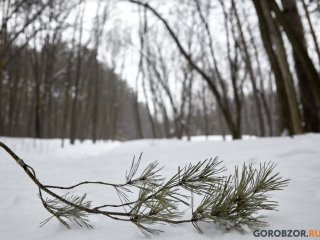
[
  {"x": 299, "y": 49},
  {"x": 273, "y": 44},
  {"x": 74, "y": 108},
  {"x": 309, "y": 104},
  {"x": 251, "y": 74}
]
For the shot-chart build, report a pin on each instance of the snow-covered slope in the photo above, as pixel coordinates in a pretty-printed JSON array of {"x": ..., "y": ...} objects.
[{"x": 21, "y": 211}]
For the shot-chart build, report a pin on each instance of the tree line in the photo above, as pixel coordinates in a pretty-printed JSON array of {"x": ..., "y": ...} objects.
[
  {"x": 52, "y": 87},
  {"x": 202, "y": 67},
  {"x": 271, "y": 77}
]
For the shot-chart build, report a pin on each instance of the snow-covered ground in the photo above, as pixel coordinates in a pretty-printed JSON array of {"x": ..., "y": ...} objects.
[{"x": 21, "y": 211}]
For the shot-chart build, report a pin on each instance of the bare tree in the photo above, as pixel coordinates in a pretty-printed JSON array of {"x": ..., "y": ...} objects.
[
  {"x": 274, "y": 46},
  {"x": 308, "y": 96}
]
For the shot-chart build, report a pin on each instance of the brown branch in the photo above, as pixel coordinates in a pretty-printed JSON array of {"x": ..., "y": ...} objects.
[
  {"x": 85, "y": 182},
  {"x": 31, "y": 173}
]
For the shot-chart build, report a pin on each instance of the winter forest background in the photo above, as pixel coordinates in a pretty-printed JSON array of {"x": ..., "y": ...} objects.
[{"x": 104, "y": 69}]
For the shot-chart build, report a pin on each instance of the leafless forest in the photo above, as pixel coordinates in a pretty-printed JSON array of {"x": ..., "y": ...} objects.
[{"x": 159, "y": 69}]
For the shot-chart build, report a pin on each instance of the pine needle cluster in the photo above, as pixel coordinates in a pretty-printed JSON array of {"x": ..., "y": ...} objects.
[{"x": 66, "y": 213}]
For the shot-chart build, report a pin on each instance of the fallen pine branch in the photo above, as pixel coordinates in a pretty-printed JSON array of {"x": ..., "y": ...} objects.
[{"x": 233, "y": 201}]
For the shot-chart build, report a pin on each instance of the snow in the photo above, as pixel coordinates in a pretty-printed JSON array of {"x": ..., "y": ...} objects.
[{"x": 21, "y": 211}]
